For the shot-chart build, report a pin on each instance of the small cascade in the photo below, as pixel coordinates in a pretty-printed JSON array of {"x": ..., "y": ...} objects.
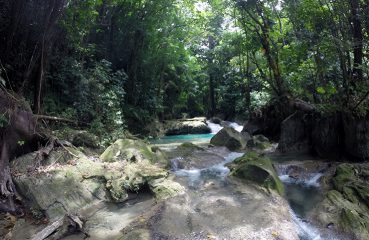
[
  {"x": 215, "y": 128},
  {"x": 236, "y": 126},
  {"x": 196, "y": 176},
  {"x": 303, "y": 193},
  {"x": 175, "y": 163},
  {"x": 314, "y": 180},
  {"x": 305, "y": 230},
  {"x": 310, "y": 180},
  {"x": 297, "y": 174}
]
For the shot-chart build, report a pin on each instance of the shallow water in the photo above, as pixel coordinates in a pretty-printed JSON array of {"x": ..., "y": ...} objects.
[
  {"x": 170, "y": 142},
  {"x": 217, "y": 172},
  {"x": 302, "y": 195}
]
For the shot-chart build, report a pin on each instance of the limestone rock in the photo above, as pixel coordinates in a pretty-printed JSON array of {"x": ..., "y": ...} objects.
[
  {"x": 229, "y": 138},
  {"x": 132, "y": 151},
  {"x": 356, "y": 136},
  {"x": 294, "y": 134},
  {"x": 189, "y": 156},
  {"x": 346, "y": 206},
  {"x": 258, "y": 169},
  {"x": 165, "y": 188},
  {"x": 326, "y": 136},
  {"x": 258, "y": 142},
  {"x": 187, "y": 126},
  {"x": 85, "y": 139},
  {"x": 67, "y": 180}
]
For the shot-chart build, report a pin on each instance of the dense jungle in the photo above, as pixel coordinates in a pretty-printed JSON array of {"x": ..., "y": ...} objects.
[{"x": 184, "y": 119}]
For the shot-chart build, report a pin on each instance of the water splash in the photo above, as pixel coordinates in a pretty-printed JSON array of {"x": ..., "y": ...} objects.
[
  {"x": 215, "y": 128},
  {"x": 305, "y": 230},
  {"x": 311, "y": 181},
  {"x": 217, "y": 171},
  {"x": 236, "y": 126},
  {"x": 314, "y": 180}
]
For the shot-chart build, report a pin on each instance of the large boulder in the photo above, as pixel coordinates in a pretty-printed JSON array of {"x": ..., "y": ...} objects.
[
  {"x": 132, "y": 150},
  {"x": 321, "y": 133},
  {"x": 346, "y": 206},
  {"x": 356, "y": 136},
  {"x": 251, "y": 128},
  {"x": 216, "y": 120},
  {"x": 258, "y": 142},
  {"x": 61, "y": 184},
  {"x": 67, "y": 180},
  {"x": 187, "y": 126},
  {"x": 79, "y": 138},
  {"x": 326, "y": 135},
  {"x": 236, "y": 211},
  {"x": 85, "y": 139},
  {"x": 294, "y": 134},
  {"x": 165, "y": 188},
  {"x": 257, "y": 169},
  {"x": 189, "y": 156},
  {"x": 231, "y": 139}
]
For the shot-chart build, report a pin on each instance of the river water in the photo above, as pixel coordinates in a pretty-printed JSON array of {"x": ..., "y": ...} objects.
[{"x": 302, "y": 194}]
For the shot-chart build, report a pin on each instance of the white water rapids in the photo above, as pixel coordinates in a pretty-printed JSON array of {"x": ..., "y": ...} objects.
[{"x": 215, "y": 128}]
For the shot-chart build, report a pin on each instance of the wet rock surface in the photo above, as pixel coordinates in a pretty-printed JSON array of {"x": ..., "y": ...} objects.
[
  {"x": 216, "y": 211},
  {"x": 230, "y": 138},
  {"x": 189, "y": 156},
  {"x": 68, "y": 182},
  {"x": 356, "y": 136},
  {"x": 258, "y": 169},
  {"x": 346, "y": 205}
]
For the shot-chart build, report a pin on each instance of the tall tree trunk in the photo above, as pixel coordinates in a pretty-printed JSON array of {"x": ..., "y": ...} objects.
[
  {"x": 131, "y": 91},
  {"x": 211, "y": 77},
  {"x": 357, "y": 33},
  {"x": 212, "y": 95},
  {"x": 39, "y": 82},
  {"x": 272, "y": 60}
]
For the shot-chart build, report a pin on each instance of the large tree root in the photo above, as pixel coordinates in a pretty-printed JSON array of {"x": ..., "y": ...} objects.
[{"x": 8, "y": 191}]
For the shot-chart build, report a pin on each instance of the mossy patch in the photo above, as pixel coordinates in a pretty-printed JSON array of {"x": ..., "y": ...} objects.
[
  {"x": 347, "y": 205},
  {"x": 229, "y": 138},
  {"x": 258, "y": 169},
  {"x": 131, "y": 150}
]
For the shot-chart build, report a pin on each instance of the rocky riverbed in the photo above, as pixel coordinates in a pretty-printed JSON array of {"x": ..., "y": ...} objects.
[{"x": 134, "y": 190}]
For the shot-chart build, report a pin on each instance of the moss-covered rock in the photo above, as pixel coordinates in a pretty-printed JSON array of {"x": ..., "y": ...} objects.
[
  {"x": 85, "y": 139},
  {"x": 79, "y": 138},
  {"x": 229, "y": 138},
  {"x": 59, "y": 187},
  {"x": 131, "y": 151},
  {"x": 356, "y": 136},
  {"x": 259, "y": 142},
  {"x": 258, "y": 169},
  {"x": 216, "y": 120},
  {"x": 67, "y": 180},
  {"x": 165, "y": 188},
  {"x": 346, "y": 206}
]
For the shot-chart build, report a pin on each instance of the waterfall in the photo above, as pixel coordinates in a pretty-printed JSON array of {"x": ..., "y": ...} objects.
[
  {"x": 215, "y": 128},
  {"x": 236, "y": 126}
]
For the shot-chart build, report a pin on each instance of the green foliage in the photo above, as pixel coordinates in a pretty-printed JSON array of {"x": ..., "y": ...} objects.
[
  {"x": 4, "y": 120},
  {"x": 121, "y": 64}
]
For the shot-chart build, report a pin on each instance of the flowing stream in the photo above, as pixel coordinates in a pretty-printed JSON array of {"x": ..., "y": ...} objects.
[{"x": 302, "y": 194}]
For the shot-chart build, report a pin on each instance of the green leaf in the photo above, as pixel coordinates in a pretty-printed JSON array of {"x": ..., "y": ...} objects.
[{"x": 320, "y": 90}]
